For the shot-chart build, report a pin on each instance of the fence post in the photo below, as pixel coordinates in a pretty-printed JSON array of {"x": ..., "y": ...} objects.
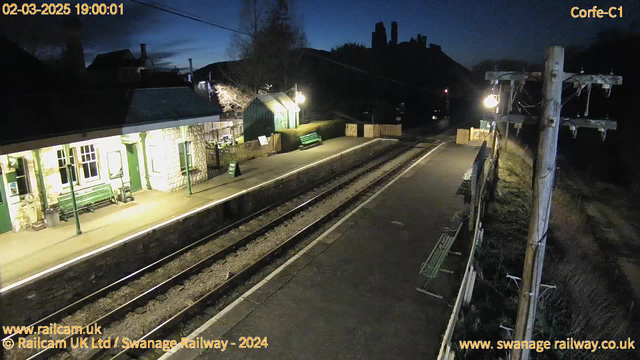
[{"x": 474, "y": 176}]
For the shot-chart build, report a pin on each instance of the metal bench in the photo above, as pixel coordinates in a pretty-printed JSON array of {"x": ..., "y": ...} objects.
[
  {"x": 465, "y": 187},
  {"x": 86, "y": 199},
  {"x": 467, "y": 174},
  {"x": 429, "y": 269},
  {"x": 310, "y": 140}
]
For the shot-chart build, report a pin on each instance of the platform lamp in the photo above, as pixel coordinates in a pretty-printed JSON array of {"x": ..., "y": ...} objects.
[
  {"x": 73, "y": 193},
  {"x": 298, "y": 98}
]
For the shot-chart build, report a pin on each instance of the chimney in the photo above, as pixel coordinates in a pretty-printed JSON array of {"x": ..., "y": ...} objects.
[
  {"x": 143, "y": 55},
  {"x": 394, "y": 33},
  {"x": 379, "y": 37},
  {"x": 74, "y": 55},
  {"x": 191, "y": 70}
]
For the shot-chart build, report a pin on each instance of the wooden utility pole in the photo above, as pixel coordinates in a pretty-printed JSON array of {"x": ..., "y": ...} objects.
[
  {"x": 542, "y": 192},
  {"x": 509, "y": 108},
  {"x": 549, "y": 123}
]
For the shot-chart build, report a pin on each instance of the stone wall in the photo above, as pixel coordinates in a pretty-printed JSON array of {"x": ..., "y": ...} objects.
[
  {"x": 162, "y": 147},
  {"x": 168, "y": 177},
  {"x": 48, "y": 293}
]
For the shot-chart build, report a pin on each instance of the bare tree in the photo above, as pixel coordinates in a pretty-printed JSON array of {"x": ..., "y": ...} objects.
[
  {"x": 265, "y": 56},
  {"x": 232, "y": 98},
  {"x": 250, "y": 71}
]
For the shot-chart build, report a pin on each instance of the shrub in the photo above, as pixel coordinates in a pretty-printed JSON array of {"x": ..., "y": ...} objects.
[{"x": 327, "y": 129}]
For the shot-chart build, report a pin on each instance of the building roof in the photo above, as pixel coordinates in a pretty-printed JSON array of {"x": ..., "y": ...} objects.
[
  {"x": 278, "y": 102},
  {"x": 96, "y": 113},
  {"x": 21, "y": 72},
  {"x": 114, "y": 60}
]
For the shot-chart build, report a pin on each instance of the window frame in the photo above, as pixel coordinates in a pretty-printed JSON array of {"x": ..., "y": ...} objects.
[
  {"x": 189, "y": 149},
  {"x": 74, "y": 166},
  {"x": 22, "y": 160},
  {"x": 86, "y": 159}
]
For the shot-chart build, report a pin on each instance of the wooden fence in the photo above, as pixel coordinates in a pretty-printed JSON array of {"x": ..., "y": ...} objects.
[
  {"x": 479, "y": 134},
  {"x": 462, "y": 137},
  {"x": 220, "y": 158},
  {"x": 351, "y": 130},
  {"x": 390, "y": 130},
  {"x": 378, "y": 130}
]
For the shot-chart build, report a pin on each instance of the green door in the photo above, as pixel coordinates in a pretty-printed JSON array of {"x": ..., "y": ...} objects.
[
  {"x": 134, "y": 168},
  {"x": 5, "y": 219}
]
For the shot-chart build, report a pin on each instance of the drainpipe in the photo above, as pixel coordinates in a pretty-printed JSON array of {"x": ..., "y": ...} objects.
[
  {"x": 143, "y": 138},
  {"x": 191, "y": 73},
  {"x": 186, "y": 157},
  {"x": 296, "y": 116},
  {"x": 73, "y": 194},
  {"x": 43, "y": 191}
]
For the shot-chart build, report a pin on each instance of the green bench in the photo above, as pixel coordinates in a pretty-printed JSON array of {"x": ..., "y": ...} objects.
[
  {"x": 310, "y": 140},
  {"x": 430, "y": 269},
  {"x": 86, "y": 199}
]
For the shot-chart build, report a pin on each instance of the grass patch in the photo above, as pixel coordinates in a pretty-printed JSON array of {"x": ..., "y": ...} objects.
[{"x": 585, "y": 304}]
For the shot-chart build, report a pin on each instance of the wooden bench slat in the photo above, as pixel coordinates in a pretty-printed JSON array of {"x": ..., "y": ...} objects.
[
  {"x": 431, "y": 268},
  {"x": 84, "y": 198},
  {"x": 310, "y": 139}
]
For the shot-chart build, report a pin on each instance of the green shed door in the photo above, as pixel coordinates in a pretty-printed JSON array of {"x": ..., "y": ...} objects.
[
  {"x": 5, "y": 218},
  {"x": 280, "y": 121},
  {"x": 134, "y": 168}
]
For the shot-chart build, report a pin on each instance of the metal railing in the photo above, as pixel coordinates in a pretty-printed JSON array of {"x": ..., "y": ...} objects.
[{"x": 479, "y": 180}]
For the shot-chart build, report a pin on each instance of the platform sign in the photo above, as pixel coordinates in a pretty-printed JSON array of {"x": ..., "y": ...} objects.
[
  {"x": 234, "y": 169},
  {"x": 263, "y": 140}
]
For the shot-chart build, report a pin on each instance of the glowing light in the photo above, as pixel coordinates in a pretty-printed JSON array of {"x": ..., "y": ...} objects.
[
  {"x": 300, "y": 98},
  {"x": 491, "y": 101},
  {"x": 446, "y": 91}
]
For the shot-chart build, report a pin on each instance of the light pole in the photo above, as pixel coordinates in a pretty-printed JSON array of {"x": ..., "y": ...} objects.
[
  {"x": 73, "y": 193},
  {"x": 295, "y": 96},
  {"x": 298, "y": 98},
  {"x": 446, "y": 94}
]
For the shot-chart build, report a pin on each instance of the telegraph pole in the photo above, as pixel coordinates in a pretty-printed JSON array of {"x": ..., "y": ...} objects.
[
  {"x": 542, "y": 193},
  {"x": 549, "y": 123}
]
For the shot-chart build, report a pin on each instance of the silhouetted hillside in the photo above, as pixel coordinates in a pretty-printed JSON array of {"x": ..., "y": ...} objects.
[{"x": 355, "y": 79}]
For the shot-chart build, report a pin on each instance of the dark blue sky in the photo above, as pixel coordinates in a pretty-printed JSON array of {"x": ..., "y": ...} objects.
[{"x": 468, "y": 31}]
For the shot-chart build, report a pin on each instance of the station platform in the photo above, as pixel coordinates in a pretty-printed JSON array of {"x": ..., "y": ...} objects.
[
  {"x": 351, "y": 294},
  {"x": 27, "y": 253}
]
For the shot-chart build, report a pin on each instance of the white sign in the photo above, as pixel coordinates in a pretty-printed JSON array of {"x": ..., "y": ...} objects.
[{"x": 263, "y": 140}]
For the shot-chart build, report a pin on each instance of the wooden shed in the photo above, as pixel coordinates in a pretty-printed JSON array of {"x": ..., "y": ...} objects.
[{"x": 269, "y": 113}]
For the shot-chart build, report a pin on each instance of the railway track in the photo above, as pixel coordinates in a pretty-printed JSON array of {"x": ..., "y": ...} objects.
[
  {"x": 266, "y": 221},
  {"x": 167, "y": 327}
]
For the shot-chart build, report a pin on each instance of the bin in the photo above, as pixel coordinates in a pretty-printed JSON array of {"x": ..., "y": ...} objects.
[{"x": 52, "y": 217}]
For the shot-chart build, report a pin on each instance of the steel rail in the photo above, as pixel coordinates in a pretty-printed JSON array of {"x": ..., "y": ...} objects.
[
  {"x": 165, "y": 285},
  {"x": 256, "y": 266},
  {"x": 59, "y": 314}
]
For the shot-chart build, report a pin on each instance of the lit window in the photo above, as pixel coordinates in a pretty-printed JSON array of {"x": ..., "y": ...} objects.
[
  {"x": 62, "y": 167},
  {"x": 22, "y": 176},
  {"x": 89, "y": 162},
  {"x": 189, "y": 155}
]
